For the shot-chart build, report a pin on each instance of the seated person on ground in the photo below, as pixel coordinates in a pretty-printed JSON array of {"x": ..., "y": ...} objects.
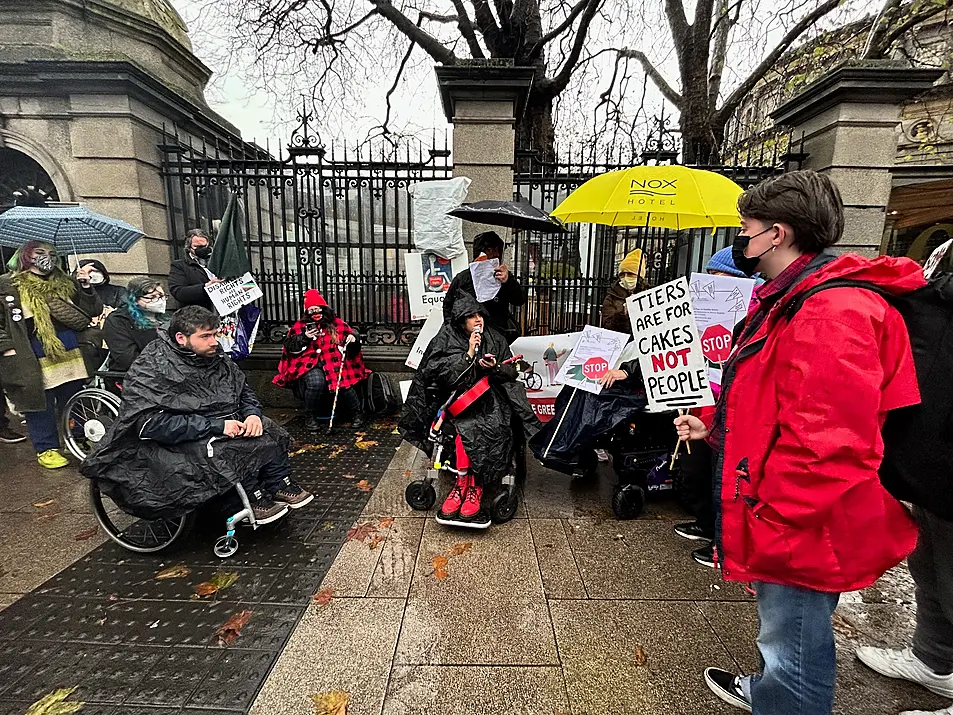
[
  {"x": 458, "y": 357},
  {"x": 133, "y": 325},
  {"x": 631, "y": 280},
  {"x": 311, "y": 361},
  {"x": 189, "y": 429}
]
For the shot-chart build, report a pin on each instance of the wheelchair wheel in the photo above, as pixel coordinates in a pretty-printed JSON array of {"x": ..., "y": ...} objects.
[
  {"x": 139, "y": 535},
  {"x": 420, "y": 495},
  {"x": 86, "y": 417},
  {"x": 534, "y": 381},
  {"x": 503, "y": 507},
  {"x": 628, "y": 501}
]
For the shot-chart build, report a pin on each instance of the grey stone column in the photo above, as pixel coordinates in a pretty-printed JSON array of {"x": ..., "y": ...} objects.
[
  {"x": 849, "y": 119},
  {"x": 484, "y": 101}
]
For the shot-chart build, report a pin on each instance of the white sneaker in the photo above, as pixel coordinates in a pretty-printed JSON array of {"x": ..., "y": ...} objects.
[
  {"x": 602, "y": 455},
  {"x": 944, "y": 711},
  {"x": 903, "y": 664}
]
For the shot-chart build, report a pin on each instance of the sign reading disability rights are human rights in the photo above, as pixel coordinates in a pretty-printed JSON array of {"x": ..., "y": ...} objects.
[{"x": 670, "y": 353}]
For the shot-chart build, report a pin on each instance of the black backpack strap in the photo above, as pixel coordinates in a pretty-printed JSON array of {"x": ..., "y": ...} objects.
[{"x": 795, "y": 305}]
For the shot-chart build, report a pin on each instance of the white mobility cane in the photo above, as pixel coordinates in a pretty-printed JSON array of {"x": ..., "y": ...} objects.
[{"x": 334, "y": 405}]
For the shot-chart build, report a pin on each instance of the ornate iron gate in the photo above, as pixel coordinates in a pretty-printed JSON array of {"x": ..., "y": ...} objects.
[{"x": 316, "y": 218}]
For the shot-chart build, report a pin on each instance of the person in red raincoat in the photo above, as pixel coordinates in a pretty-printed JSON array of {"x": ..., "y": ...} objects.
[
  {"x": 801, "y": 512},
  {"x": 311, "y": 361}
]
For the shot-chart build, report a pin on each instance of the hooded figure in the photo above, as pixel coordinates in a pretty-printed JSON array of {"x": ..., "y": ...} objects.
[
  {"x": 485, "y": 428},
  {"x": 111, "y": 296},
  {"x": 170, "y": 449},
  {"x": 631, "y": 280}
]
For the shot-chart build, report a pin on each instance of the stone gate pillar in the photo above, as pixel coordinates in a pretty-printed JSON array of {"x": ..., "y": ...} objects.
[
  {"x": 484, "y": 102},
  {"x": 849, "y": 119}
]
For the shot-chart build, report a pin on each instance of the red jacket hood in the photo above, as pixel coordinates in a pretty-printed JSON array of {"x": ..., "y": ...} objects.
[{"x": 895, "y": 275}]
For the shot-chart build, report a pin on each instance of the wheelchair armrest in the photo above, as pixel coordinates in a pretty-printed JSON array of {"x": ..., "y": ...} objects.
[{"x": 110, "y": 374}]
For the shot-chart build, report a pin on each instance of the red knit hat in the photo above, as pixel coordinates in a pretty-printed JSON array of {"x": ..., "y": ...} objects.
[{"x": 314, "y": 299}]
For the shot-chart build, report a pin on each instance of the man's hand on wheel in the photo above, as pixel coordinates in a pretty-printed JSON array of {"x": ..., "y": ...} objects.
[
  {"x": 234, "y": 428},
  {"x": 253, "y": 427}
]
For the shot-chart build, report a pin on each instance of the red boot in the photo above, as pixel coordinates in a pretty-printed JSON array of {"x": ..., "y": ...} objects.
[
  {"x": 454, "y": 500},
  {"x": 471, "y": 502}
]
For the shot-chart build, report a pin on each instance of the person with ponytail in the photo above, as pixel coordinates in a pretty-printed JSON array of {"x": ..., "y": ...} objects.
[
  {"x": 43, "y": 315},
  {"x": 311, "y": 361},
  {"x": 134, "y": 324}
]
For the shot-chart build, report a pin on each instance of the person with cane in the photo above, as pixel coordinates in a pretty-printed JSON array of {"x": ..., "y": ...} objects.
[{"x": 321, "y": 353}]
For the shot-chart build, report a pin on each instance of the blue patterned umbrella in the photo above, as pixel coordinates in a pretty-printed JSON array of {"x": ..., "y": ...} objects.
[{"x": 72, "y": 229}]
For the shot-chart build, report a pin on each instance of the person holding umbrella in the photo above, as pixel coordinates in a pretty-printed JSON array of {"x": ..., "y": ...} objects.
[{"x": 43, "y": 313}]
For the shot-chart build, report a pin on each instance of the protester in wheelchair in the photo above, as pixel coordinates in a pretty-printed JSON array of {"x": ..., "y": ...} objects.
[
  {"x": 465, "y": 368},
  {"x": 189, "y": 429},
  {"x": 133, "y": 325}
]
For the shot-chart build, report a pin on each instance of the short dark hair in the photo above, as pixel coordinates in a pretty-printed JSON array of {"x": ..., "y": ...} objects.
[
  {"x": 485, "y": 240},
  {"x": 193, "y": 233},
  {"x": 192, "y": 318},
  {"x": 807, "y": 201}
]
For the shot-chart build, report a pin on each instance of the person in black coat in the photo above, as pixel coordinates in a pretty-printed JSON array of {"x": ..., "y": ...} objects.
[
  {"x": 133, "y": 325},
  {"x": 111, "y": 295},
  {"x": 188, "y": 276},
  {"x": 511, "y": 293}
]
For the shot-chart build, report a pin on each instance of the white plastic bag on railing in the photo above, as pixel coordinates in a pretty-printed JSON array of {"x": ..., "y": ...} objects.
[{"x": 434, "y": 231}]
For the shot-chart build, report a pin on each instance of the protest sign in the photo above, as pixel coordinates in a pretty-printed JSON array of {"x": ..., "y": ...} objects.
[
  {"x": 719, "y": 303},
  {"x": 228, "y": 296},
  {"x": 543, "y": 355},
  {"x": 596, "y": 350},
  {"x": 929, "y": 268},
  {"x": 485, "y": 284},
  {"x": 670, "y": 353},
  {"x": 429, "y": 329},
  {"x": 428, "y": 278}
]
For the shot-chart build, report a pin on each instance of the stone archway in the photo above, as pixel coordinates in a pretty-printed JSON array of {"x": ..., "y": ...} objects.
[{"x": 19, "y": 172}]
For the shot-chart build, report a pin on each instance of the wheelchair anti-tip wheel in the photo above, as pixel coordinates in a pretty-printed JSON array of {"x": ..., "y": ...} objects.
[
  {"x": 226, "y": 546},
  {"x": 140, "y": 535},
  {"x": 87, "y": 416},
  {"x": 420, "y": 495},
  {"x": 503, "y": 507},
  {"x": 628, "y": 501}
]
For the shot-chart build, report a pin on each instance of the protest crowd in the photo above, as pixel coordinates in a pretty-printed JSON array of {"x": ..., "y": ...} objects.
[{"x": 795, "y": 442}]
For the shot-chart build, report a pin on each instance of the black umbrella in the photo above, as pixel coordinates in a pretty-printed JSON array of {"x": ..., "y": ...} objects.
[{"x": 512, "y": 214}]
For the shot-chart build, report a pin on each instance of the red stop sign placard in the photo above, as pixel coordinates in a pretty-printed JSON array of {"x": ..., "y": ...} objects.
[
  {"x": 595, "y": 367},
  {"x": 716, "y": 343}
]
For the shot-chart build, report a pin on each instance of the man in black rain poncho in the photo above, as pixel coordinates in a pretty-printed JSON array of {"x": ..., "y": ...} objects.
[
  {"x": 189, "y": 429},
  {"x": 465, "y": 351}
]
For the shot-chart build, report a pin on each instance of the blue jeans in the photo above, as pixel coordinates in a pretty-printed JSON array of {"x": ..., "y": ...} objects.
[
  {"x": 796, "y": 641},
  {"x": 42, "y": 426}
]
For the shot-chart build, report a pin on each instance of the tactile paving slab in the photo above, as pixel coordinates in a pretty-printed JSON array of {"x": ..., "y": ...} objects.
[{"x": 132, "y": 644}]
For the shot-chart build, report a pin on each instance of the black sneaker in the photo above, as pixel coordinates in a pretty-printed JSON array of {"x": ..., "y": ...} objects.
[
  {"x": 265, "y": 509},
  {"x": 693, "y": 532},
  {"x": 8, "y": 436},
  {"x": 292, "y": 495},
  {"x": 705, "y": 556},
  {"x": 727, "y": 686}
]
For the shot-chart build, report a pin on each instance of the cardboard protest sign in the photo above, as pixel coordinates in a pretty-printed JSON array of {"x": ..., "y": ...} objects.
[
  {"x": 719, "y": 303},
  {"x": 595, "y": 352},
  {"x": 543, "y": 355},
  {"x": 430, "y": 328},
  {"x": 428, "y": 278},
  {"x": 670, "y": 352},
  {"x": 228, "y": 296},
  {"x": 929, "y": 268}
]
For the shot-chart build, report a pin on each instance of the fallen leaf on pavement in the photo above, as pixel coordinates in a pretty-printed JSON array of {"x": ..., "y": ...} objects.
[
  {"x": 232, "y": 628},
  {"x": 349, "y": 476},
  {"x": 42, "y": 504},
  {"x": 360, "y": 434},
  {"x": 46, "y": 517},
  {"x": 361, "y": 532},
  {"x": 364, "y": 486},
  {"x": 387, "y": 523},
  {"x": 87, "y": 534},
  {"x": 218, "y": 582},
  {"x": 376, "y": 541},
  {"x": 640, "y": 657},
  {"x": 843, "y": 626},
  {"x": 327, "y": 526},
  {"x": 307, "y": 448},
  {"x": 336, "y": 452},
  {"x": 365, "y": 443},
  {"x": 323, "y": 597},
  {"x": 440, "y": 571},
  {"x": 177, "y": 571},
  {"x": 55, "y": 704},
  {"x": 332, "y": 703},
  {"x": 459, "y": 549},
  {"x": 409, "y": 473}
]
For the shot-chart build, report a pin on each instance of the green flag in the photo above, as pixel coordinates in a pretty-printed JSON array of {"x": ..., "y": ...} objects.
[{"x": 229, "y": 258}]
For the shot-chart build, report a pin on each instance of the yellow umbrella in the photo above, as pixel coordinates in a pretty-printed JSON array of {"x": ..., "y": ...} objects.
[{"x": 673, "y": 197}]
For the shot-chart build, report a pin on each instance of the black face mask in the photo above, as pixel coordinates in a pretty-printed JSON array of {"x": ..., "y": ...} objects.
[
  {"x": 202, "y": 252},
  {"x": 748, "y": 266}
]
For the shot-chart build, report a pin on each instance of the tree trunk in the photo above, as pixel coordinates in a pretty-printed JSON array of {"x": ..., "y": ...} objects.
[
  {"x": 536, "y": 132},
  {"x": 699, "y": 143}
]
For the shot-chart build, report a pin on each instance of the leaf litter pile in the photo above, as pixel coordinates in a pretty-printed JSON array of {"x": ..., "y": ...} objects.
[{"x": 441, "y": 562}]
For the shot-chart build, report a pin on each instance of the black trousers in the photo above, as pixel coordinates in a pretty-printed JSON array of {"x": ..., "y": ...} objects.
[{"x": 697, "y": 484}]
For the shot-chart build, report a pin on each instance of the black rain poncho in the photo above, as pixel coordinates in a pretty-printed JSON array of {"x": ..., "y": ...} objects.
[
  {"x": 182, "y": 399},
  {"x": 486, "y": 427}
]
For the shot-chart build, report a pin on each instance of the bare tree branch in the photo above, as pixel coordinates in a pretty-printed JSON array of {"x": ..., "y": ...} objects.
[
  {"x": 435, "y": 17},
  {"x": 806, "y": 22},
  {"x": 881, "y": 46},
  {"x": 675, "y": 12},
  {"x": 486, "y": 23},
  {"x": 332, "y": 37},
  {"x": 466, "y": 29},
  {"x": 427, "y": 42},
  {"x": 719, "y": 51},
  {"x": 558, "y": 30},
  {"x": 657, "y": 79},
  {"x": 552, "y": 87}
]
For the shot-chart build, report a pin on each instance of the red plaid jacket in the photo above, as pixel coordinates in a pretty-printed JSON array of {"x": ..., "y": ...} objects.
[{"x": 321, "y": 352}]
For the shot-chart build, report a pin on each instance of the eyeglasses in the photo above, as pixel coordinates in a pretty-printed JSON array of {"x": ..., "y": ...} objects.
[{"x": 153, "y": 296}]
